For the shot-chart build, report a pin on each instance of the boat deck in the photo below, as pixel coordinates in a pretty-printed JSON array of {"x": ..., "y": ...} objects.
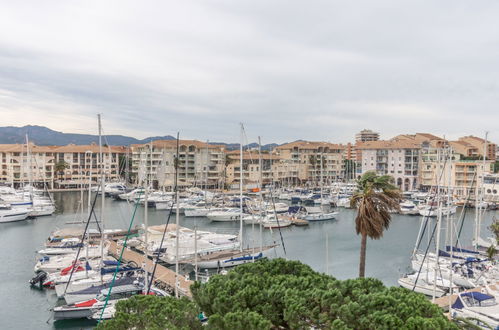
[
  {"x": 164, "y": 275},
  {"x": 445, "y": 301},
  {"x": 226, "y": 254}
]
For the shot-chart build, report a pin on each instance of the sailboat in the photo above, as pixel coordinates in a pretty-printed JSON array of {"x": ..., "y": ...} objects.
[
  {"x": 321, "y": 215},
  {"x": 241, "y": 256}
]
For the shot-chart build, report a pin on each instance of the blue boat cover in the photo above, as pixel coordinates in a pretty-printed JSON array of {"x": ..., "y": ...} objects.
[
  {"x": 110, "y": 262},
  {"x": 478, "y": 296},
  {"x": 294, "y": 209},
  {"x": 456, "y": 249},
  {"x": 121, "y": 269}
]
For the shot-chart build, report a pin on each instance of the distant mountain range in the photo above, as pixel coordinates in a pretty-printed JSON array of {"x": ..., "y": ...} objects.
[{"x": 44, "y": 136}]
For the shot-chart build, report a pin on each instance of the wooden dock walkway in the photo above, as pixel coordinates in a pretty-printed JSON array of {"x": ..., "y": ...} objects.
[{"x": 163, "y": 274}]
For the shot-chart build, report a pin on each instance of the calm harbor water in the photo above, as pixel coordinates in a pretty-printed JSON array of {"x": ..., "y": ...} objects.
[{"x": 25, "y": 308}]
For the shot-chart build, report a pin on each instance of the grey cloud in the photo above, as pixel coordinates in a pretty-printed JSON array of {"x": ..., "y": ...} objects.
[{"x": 316, "y": 70}]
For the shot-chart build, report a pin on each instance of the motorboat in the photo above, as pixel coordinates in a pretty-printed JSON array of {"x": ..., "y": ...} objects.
[
  {"x": 199, "y": 211},
  {"x": 9, "y": 214},
  {"x": 91, "y": 291},
  {"x": 232, "y": 258},
  {"x": 320, "y": 216},
  {"x": 271, "y": 222},
  {"x": 425, "y": 284},
  {"x": 225, "y": 215},
  {"x": 85, "y": 308},
  {"x": 477, "y": 306},
  {"x": 408, "y": 208},
  {"x": 91, "y": 251}
]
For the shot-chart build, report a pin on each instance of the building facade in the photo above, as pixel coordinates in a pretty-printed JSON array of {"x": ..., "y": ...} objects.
[
  {"x": 199, "y": 163},
  {"x": 58, "y": 166},
  {"x": 397, "y": 157},
  {"x": 310, "y": 162}
]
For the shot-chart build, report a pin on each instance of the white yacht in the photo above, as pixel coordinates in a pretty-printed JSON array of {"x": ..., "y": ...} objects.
[
  {"x": 9, "y": 214},
  {"x": 408, "y": 208},
  {"x": 225, "y": 215},
  {"x": 478, "y": 306}
]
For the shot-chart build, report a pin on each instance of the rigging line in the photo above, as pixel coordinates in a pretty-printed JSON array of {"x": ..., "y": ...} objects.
[
  {"x": 433, "y": 232},
  {"x": 120, "y": 258},
  {"x": 160, "y": 247},
  {"x": 167, "y": 222},
  {"x": 465, "y": 208},
  {"x": 277, "y": 218},
  {"x": 426, "y": 218},
  {"x": 79, "y": 248},
  {"x": 424, "y": 257}
]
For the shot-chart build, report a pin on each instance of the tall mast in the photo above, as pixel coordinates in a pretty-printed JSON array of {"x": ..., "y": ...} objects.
[
  {"x": 437, "y": 241},
  {"x": 206, "y": 172},
  {"x": 450, "y": 225},
  {"x": 177, "y": 219},
  {"x": 480, "y": 190},
  {"x": 30, "y": 169},
  {"x": 146, "y": 213},
  {"x": 127, "y": 165},
  {"x": 261, "y": 187},
  {"x": 102, "y": 193},
  {"x": 241, "y": 190},
  {"x": 322, "y": 179},
  {"x": 21, "y": 179}
]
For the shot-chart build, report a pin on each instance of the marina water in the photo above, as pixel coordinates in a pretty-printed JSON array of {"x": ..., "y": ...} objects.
[{"x": 23, "y": 307}]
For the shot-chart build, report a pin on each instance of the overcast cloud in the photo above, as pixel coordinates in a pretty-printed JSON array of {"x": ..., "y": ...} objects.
[{"x": 316, "y": 70}]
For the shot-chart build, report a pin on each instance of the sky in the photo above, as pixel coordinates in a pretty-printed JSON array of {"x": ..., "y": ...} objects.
[{"x": 286, "y": 69}]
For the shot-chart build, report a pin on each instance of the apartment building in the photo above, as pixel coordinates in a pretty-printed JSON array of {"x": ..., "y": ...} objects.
[
  {"x": 315, "y": 161},
  {"x": 398, "y": 158},
  {"x": 366, "y": 135},
  {"x": 473, "y": 146},
  {"x": 251, "y": 168},
  {"x": 60, "y": 166},
  {"x": 199, "y": 163},
  {"x": 441, "y": 163}
]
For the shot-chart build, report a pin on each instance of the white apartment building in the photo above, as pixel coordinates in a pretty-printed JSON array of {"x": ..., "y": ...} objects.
[
  {"x": 397, "y": 158},
  {"x": 199, "y": 164},
  {"x": 60, "y": 166}
]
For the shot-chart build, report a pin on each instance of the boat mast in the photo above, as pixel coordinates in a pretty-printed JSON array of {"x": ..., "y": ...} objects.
[
  {"x": 450, "y": 228},
  {"x": 146, "y": 212},
  {"x": 206, "y": 174},
  {"x": 241, "y": 190},
  {"x": 196, "y": 253},
  {"x": 261, "y": 187},
  {"x": 127, "y": 165},
  {"x": 102, "y": 195},
  {"x": 30, "y": 169},
  {"x": 322, "y": 179},
  {"x": 437, "y": 240},
  {"x": 480, "y": 199},
  {"x": 177, "y": 220}
]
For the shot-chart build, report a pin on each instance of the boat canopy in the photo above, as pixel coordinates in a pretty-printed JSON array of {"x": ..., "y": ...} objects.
[
  {"x": 295, "y": 209},
  {"x": 456, "y": 249},
  {"x": 478, "y": 296}
]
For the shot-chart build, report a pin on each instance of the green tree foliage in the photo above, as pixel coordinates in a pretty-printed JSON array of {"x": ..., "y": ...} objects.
[
  {"x": 376, "y": 196},
  {"x": 60, "y": 167},
  {"x": 273, "y": 294},
  {"x": 291, "y": 295},
  {"x": 151, "y": 312}
]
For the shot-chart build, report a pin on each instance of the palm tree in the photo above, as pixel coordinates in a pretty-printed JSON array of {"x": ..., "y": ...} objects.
[
  {"x": 375, "y": 198},
  {"x": 60, "y": 167}
]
